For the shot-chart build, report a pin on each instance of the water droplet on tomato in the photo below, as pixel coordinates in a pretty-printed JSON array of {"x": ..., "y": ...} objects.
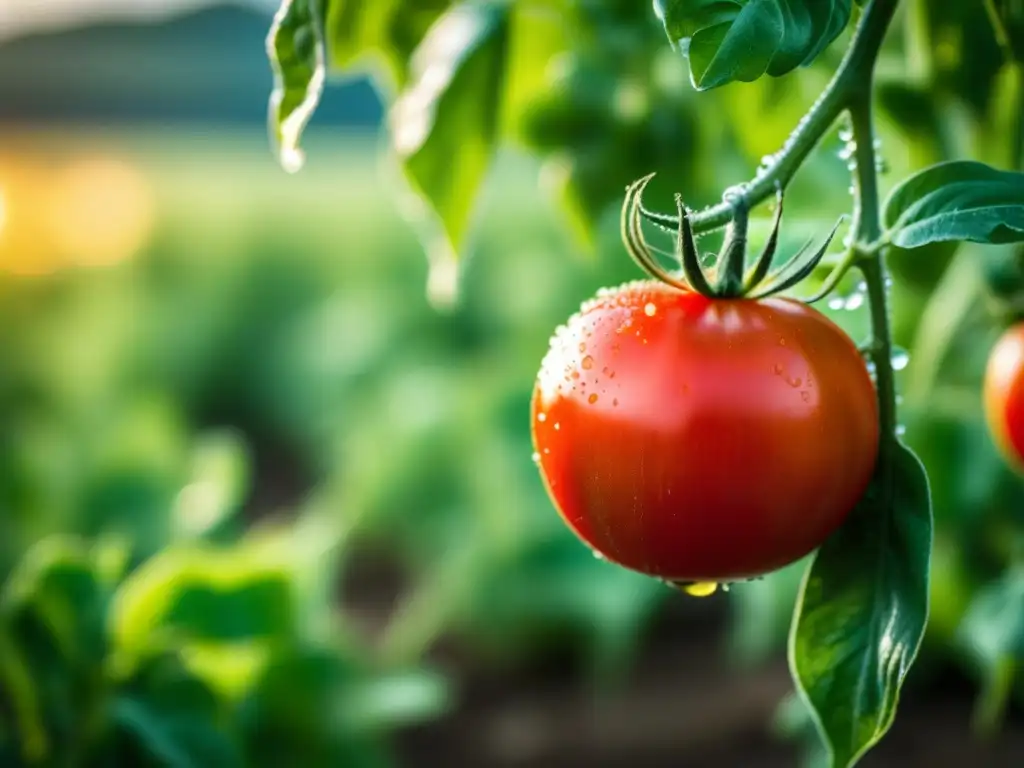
[
  {"x": 777, "y": 369},
  {"x": 575, "y": 374},
  {"x": 615, "y": 401},
  {"x": 583, "y": 346},
  {"x": 592, "y": 399},
  {"x": 558, "y": 426},
  {"x": 542, "y": 417},
  {"x": 795, "y": 382},
  {"x": 588, "y": 362},
  {"x": 535, "y": 457},
  {"x": 649, "y": 309},
  {"x": 699, "y": 588},
  {"x": 598, "y": 555}
]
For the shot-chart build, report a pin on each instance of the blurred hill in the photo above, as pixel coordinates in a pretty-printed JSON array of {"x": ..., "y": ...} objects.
[{"x": 205, "y": 67}]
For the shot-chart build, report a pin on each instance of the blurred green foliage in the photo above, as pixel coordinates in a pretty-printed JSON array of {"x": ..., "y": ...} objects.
[{"x": 202, "y": 443}]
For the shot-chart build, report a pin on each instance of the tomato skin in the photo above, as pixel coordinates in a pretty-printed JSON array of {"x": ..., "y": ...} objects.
[
  {"x": 698, "y": 439},
  {"x": 1004, "y": 395}
]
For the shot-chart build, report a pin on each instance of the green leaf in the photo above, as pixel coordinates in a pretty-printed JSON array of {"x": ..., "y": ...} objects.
[
  {"x": 166, "y": 716},
  {"x": 957, "y": 200},
  {"x": 993, "y": 627},
  {"x": 358, "y": 31},
  {"x": 445, "y": 124},
  {"x": 992, "y": 633},
  {"x": 60, "y": 586},
  {"x": 204, "y": 595},
  {"x": 863, "y": 608},
  {"x": 741, "y": 40},
  {"x": 296, "y": 49}
]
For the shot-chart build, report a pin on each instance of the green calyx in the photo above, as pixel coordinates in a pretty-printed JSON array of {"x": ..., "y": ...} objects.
[{"x": 729, "y": 278}]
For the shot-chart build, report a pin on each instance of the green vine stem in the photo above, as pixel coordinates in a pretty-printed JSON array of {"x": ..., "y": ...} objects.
[
  {"x": 867, "y": 229},
  {"x": 854, "y": 76}
]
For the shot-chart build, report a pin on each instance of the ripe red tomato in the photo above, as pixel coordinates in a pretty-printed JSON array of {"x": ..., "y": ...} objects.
[
  {"x": 698, "y": 439},
  {"x": 1004, "y": 395}
]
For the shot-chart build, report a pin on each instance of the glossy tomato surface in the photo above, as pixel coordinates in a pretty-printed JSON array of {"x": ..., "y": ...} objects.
[
  {"x": 1004, "y": 395},
  {"x": 703, "y": 439}
]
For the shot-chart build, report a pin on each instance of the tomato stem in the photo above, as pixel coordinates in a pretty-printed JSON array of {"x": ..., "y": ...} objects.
[{"x": 734, "y": 250}]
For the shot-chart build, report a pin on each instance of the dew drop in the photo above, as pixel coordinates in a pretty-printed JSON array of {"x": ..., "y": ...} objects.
[
  {"x": 700, "y": 588},
  {"x": 598, "y": 555},
  {"x": 583, "y": 346},
  {"x": 615, "y": 402},
  {"x": 588, "y": 362},
  {"x": 542, "y": 417},
  {"x": 777, "y": 369},
  {"x": 592, "y": 399},
  {"x": 535, "y": 457},
  {"x": 649, "y": 309},
  {"x": 854, "y": 301},
  {"x": 836, "y": 302},
  {"x": 558, "y": 426},
  {"x": 901, "y": 430},
  {"x": 900, "y": 359}
]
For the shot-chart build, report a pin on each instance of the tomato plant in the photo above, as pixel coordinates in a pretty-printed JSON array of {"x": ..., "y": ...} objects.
[
  {"x": 461, "y": 80},
  {"x": 1004, "y": 394}
]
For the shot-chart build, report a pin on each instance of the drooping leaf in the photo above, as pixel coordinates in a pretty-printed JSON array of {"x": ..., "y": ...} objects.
[
  {"x": 385, "y": 30},
  {"x": 957, "y": 200},
  {"x": 863, "y": 608},
  {"x": 445, "y": 124},
  {"x": 297, "y": 56},
  {"x": 741, "y": 40}
]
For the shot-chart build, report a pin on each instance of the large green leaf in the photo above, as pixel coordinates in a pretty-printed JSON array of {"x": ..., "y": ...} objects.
[
  {"x": 957, "y": 200},
  {"x": 863, "y": 608},
  {"x": 445, "y": 124},
  {"x": 730, "y": 40}
]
